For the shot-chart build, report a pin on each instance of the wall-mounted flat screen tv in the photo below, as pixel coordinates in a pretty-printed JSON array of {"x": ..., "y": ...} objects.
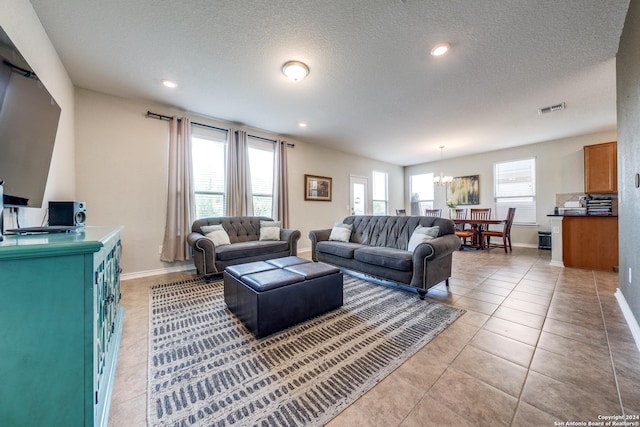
[{"x": 28, "y": 124}]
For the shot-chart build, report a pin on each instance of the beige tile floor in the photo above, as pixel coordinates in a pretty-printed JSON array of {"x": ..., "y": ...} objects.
[{"x": 538, "y": 345}]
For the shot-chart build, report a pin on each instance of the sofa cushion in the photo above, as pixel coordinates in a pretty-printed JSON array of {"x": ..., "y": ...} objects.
[
  {"x": 422, "y": 234},
  {"x": 269, "y": 230},
  {"x": 396, "y": 259},
  {"x": 216, "y": 233},
  {"x": 250, "y": 249},
  {"x": 341, "y": 249},
  {"x": 341, "y": 232}
]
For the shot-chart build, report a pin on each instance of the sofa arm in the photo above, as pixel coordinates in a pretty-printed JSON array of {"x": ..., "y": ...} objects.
[
  {"x": 291, "y": 237},
  {"x": 318, "y": 236},
  {"x": 436, "y": 248},
  {"x": 432, "y": 261},
  {"x": 204, "y": 252}
]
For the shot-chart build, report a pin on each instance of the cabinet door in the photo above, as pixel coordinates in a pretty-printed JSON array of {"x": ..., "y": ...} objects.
[
  {"x": 590, "y": 242},
  {"x": 601, "y": 168}
]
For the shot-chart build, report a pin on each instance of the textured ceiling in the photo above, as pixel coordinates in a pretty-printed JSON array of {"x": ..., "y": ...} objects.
[{"x": 373, "y": 89}]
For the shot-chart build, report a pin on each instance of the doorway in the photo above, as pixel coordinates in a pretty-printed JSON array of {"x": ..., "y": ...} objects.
[{"x": 358, "y": 194}]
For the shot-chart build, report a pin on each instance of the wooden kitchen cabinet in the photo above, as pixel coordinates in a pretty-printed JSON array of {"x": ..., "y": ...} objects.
[
  {"x": 590, "y": 242},
  {"x": 601, "y": 168}
]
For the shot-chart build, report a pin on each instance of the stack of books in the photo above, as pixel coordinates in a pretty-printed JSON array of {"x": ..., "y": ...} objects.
[{"x": 599, "y": 205}]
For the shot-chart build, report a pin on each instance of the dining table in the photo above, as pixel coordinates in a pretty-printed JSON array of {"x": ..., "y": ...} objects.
[{"x": 477, "y": 225}]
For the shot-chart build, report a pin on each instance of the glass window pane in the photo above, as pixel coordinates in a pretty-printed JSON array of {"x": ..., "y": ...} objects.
[
  {"x": 208, "y": 165},
  {"x": 515, "y": 187},
  {"x": 208, "y": 159},
  {"x": 422, "y": 193},
  {"x": 261, "y": 164},
  {"x": 380, "y": 199},
  {"x": 209, "y": 205}
]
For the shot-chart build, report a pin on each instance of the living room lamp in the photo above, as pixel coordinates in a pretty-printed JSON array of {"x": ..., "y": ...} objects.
[
  {"x": 442, "y": 179},
  {"x": 295, "y": 70}
]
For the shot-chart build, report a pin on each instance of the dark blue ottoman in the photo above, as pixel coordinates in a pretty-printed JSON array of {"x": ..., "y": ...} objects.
[{"x": 269, "y": 296}]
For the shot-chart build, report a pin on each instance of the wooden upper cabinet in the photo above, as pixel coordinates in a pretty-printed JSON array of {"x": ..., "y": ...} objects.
[{"x": 601, "y": 168}]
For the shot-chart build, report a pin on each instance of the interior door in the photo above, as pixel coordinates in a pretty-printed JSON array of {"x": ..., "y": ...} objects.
[{"x": 358, "y": 195}]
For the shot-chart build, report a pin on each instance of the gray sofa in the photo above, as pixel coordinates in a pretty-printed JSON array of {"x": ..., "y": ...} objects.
[
  {"x": 245, "y": 244},
  {"x": 378, "y": 247}
]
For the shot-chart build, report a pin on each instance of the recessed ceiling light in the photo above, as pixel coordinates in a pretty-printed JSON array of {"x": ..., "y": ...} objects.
[
  {"x": 295, "y": 70},
  {"x": 302, "y": 125},
  {"x": 440, "y": 49},
  {"x": 169, "y": 83}
]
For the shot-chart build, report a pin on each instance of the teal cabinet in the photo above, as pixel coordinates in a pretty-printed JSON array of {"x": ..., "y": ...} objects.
[{"x": 60, "y": 327}]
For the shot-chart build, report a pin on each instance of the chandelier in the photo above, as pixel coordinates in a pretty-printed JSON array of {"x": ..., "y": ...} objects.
[{"x": 442, "y": 179}]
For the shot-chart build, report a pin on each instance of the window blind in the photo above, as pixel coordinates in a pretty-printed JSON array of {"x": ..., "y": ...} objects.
[{"x": 515, "y": 187}]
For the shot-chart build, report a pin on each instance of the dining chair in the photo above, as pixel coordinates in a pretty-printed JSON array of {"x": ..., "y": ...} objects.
[
  {"x": 480, "y": 213},
  {"x": 474, "y": 213},
  {"x": 505, "y": 234},
  {"x": 401, "y": 212},
  {"x": 460, "y": 231},
  {"x": 433, "y": 212}
]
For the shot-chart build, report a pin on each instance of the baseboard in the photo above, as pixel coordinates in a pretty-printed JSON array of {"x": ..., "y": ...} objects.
[
  {"x": 524, "y": 245},
  {"x": 148, "y": 273},
  {"x": 629, "y": 317},
  {"x": 557, "y": 263}
]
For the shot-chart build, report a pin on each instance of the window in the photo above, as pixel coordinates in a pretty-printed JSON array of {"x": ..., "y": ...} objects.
[
  {"x": 380, "y": 199},
  {"x": 515, "y": 187},
  {"x": 421, "y": 193},
  {"x": 208, "y": 153},
  {"x": 261, "y": 164}
]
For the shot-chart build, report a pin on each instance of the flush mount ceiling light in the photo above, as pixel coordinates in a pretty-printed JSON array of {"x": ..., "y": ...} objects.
[
  {"x": 442, "y": 179},
  {"x": 295, "y": 70},
  {"x": 169, "y": 83},
  {"x": 302, "y": 125},
  {"x": 440, "y": 49}
]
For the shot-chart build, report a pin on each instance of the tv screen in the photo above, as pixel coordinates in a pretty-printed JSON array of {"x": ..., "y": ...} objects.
[{"x": 28, "y": 124}]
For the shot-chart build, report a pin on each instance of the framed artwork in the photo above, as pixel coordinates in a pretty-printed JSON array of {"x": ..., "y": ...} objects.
[
  {"x": 465, "y": 190},
  {"x": 317, "y": 188}
]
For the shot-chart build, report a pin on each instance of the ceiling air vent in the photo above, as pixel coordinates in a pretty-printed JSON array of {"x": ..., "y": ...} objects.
[{"x": 552, "y": 108}]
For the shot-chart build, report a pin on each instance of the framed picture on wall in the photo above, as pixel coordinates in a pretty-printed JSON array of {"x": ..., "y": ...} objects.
[
  {"x": 465, "y": 190},
  {"x": 317, "y": 188}
]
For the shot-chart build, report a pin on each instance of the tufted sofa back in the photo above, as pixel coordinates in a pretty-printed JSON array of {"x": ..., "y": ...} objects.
[
  {"x": 239, "y": 228},
  {"x": 392, "y": 231}
]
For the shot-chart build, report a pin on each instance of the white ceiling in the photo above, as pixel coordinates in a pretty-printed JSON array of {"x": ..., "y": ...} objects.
[{"x": 373, "y": 89}]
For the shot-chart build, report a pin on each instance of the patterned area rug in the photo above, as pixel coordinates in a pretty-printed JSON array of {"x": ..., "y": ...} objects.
[{"x": 205, "y": 368}]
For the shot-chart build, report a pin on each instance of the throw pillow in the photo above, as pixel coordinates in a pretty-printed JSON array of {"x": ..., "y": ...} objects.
[
  {"x": 217, "y": 234},
  {"x": 422, "y": 234},
  {"x": 341, "y": 232},
  {"x": 269, "y": 230}
]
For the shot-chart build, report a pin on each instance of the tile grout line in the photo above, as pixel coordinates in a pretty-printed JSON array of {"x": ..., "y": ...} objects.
[
  {"x": 606, "y": 334},
  {"x": 535, "y": 349}
]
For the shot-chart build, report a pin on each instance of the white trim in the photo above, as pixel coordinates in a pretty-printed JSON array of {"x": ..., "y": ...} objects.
[
  {"x": 629, "y": 317},
  {"x": 556, "y": 263},
  {"x": 524, "y": 245},
  {"x": 141, "y": 274}
]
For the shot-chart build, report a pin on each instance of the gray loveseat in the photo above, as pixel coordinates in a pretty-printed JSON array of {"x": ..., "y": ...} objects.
[
  {"x": 245, "y": 244},
  {"x": 378, "y": 247}
]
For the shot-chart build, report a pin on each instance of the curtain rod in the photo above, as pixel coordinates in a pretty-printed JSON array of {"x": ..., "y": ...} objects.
[{"x": 163, "y": 117}]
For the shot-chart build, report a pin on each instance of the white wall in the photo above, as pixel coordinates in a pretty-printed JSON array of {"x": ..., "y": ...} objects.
[
  {"x": 559, "y": 169},
  {"x": 122, "y": 173},
  {"x": 22, "y": 25},
  {"x": 316, "y": 160}
]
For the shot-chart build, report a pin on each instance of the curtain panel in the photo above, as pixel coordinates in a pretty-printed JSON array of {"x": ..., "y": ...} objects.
[
  {"x": 239, "y": 195},
  {"x": 180, "y": 196},
  {"x": 281, "y": 192}
]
